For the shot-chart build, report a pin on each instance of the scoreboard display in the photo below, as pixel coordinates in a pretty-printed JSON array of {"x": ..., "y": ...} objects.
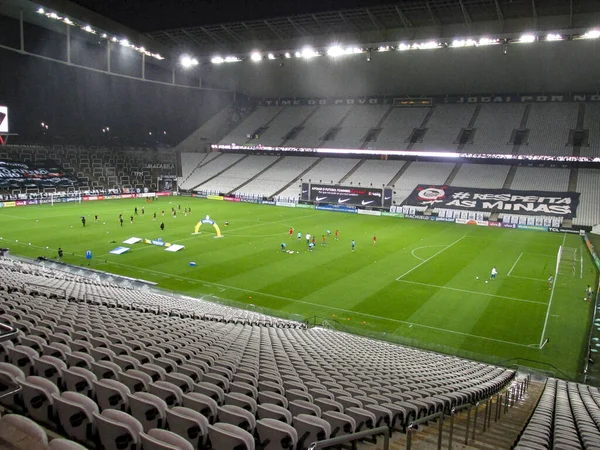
[{"x": 366, "y": 197}]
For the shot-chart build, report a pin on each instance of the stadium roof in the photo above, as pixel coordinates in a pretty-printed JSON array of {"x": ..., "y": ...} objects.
[{"x": 407, "y": 19}]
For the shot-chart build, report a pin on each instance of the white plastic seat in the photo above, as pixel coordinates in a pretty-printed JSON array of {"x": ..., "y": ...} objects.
[
  {"x": 310, "y": 429},
  {"x": 156, "y": 372},
  {"x": 189, "y": 424},
  {"x": 241, "y": 400},
  {"x": 276, "y": 435},
  {"x": 298, "y": 407},
  {"x": 225, "y": 436},
  {"x": 106, "y": 370},
  {"x": 80, "y": 359},
  {"x": 80, "y": 380},
  {"x": 272, "y": 397},
  {"x": 23, "y": 357},
  {"x": 341, "y": 424},
  {"x": 118, "y": 430},
  {"x": 171, "y": 394},
  {"x": 183, "y": 382},
  {"x": 148, "y": 409},
  {"x": 37, "y": 397},
  {"x": 364, "y": 419},
  {"x": 50, "y": 368},
  {"x": 126, "y": 362},
  {"x": 201, "y": 403},
  {"x": 26, "y": 426},
  {"x": 157, "y": 439},
  {"x": 328, "y": 405},
  {"x": 237, "y": 416},
  {"x": 136, "y": 380},
  {"x": 75, "y": 412},
  {"x": 271, "y": 411},
  {"x": 111, "y": 394},
  {"x": 213, "y": 391},
  {"x": 243, "y": 388}
]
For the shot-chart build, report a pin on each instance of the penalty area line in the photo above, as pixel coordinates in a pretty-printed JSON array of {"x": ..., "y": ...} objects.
[{"x": 430, "y": 258}]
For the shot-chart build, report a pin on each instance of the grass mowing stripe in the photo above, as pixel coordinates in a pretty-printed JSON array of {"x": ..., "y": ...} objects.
[
  {"x": 472, "y": 292},
  {"x": 431, "y": 257}
]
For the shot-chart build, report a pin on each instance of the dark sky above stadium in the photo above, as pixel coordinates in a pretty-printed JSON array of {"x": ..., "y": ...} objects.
[{"x": 152, "y": 15}]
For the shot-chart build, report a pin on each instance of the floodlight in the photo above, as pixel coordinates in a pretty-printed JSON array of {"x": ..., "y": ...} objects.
[
  {"x": 104, "y": 35},
  {"x": 124, "y": 42},
  {"x": 403, "y": 47},
  {"x": 308, "y": 52},
  {"x": 157, "y": 56},
  {"x": 592, "y": 34},
  {"x": 287, "y": 55},
  {"x": 271, "y": 56},
  {"x": 89, "y": 29},
  {"x": 553, "y": 37},
  {"x": 298, "y": 55},
  {"x": 187, "y": 61},
  {"x": 53, "y": 16},
  {"x": 68, "y": 21},
  {"x": 527, "y": 38},
  {"x": 41, "y": 11},
  {"x": 335, "y": 50},
  {"x": 217, "y": 60},
  {"x": 114, "y": 39},
  {"x": 488, "y": 41},
  {"x": 256, "y": 57},
  {"x": 384, "y": 48}
]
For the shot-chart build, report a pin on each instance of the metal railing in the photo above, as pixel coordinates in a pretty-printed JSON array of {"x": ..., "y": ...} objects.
[
  {"x": 411, "y": 429},
  {"x": 339, "y": 440}
]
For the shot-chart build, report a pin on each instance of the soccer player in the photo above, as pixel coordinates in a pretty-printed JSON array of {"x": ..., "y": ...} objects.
[
  {"x": 121, "y": 219},
  {"x": 135, "y": 211},
  {"x": 323, "y": 241},
  {"x": 83, "y": 221},
  {"x": 60, "y": 253},
  {"x": 162, "y": 226},
  {"x": 588, "y": 293},
  {"x": 143, "y": 211},
  {"x": 154, "y": 216},
  {"x": 337, "y": 234},
  {"x": 550, "y": 282},
  {"x": 494, "y": 273},
  {"x": 291, "y": 232},
  {"x": 311, "y": 246},
  {"x": 299, "y": 236},
  {"x": 374, "y": 240},
  {"x": 179, "y": 207},
  {"x": 282, "y": 247},
  {"x": 163, "y": 213},
  {"x": 307, "y": 238},
  {"x": 314, "y": 242},
  {"x": 131, "y": 219},
  {"x": 328, "y": 233},
  {"x": 96, "y": 218},
  {"x": 353, "y": 244}
]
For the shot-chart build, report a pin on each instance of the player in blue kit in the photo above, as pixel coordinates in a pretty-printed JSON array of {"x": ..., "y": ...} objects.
[{"x": 353, "y": 244}]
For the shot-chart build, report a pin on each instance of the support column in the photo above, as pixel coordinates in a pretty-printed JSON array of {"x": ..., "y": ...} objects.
[
  {"x": 21, "y": 32},
  {"x": 68, "y": 43},
  {"x": 143, "y": 66},
  {"x": 108, "y": 56}
]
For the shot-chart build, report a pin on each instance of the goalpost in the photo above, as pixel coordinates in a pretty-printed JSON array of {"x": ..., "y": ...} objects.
[{"x": 557, "y": 271}]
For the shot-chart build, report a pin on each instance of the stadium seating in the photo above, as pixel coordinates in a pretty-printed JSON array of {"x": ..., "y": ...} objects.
[
  {"x": 591, "y": 122},
  {"x": 374, "y": 173},
  {"x": 277, "y": 130},
  {"x": 420, "y": 173},
  {"x": 540, "y": 179},
  {"x": 588, "y": 184},
  {"x": 357, "y": 124},
  {"x": 396, "y": 129},
  {"x": 549, "y": 126},
  {"x": 566, "y": 417},
  {"x": 481, "y": 176},
  {"x": 253, "y": 123},
  {"x": 316, "y": 127},
  {"x": 217, "y": 164},
  {"x": 444, "y": 127},
  {"x": 494, "y": 126},
  {"x": 239, "y": 174},
  {"x": 312, "y": 371}
]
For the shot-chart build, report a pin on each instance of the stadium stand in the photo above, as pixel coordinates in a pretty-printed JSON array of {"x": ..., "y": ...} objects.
[
  {"x": 216, "y": 165},
  {"x": 541, "y": 179},
  {"x": 278, "y": 176},
  {"x": 283, "y": 124},
  {"x": 141, "y": 360},
  {"x": 397, "y": 127},
  {"x": 444, "y": 126},
  {"x": 481, "y": 176},
  {"x": 549, "y": 126},
  {"x": 588, "y": 185},
  {"x": 591, "y": 122},
  {"x": 356, "y": 126},
  {"x": 239, "y": 174},
  {"x": 494, "y": 126},
  {"x": 316, "y": 127},
  {"x": 375, "y": 173},
  {"x": 567, "y": 416},
  {"x": 252, "y": 125}
]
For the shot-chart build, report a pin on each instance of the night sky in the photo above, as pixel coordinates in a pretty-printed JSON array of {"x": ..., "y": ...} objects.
[{"x": 152, "y": 15}]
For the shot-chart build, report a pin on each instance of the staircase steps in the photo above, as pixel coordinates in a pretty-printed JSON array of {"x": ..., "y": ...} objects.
[
  {"x": 308, "y": 169},
  {"x": 255, "y": 176},
  {"x": 403, "y": 169},
  {"x": 219, "y": 173},
  {"x": 351, "y": 171}
]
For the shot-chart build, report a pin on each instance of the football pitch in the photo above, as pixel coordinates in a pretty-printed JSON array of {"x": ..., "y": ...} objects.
[{"x": 425, "y": 284}]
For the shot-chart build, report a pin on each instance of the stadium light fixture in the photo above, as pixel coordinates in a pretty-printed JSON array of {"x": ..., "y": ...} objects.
[
  {"x": 527, "y": 38},
  {"x": 187, "y": 61},
  {"x": 287, "y": 55},
  {"x": 41, "y": 11},
  {"x": 308, "y": 52},
  {"x": 592, "y": 34},
  {"x": 256, "y": 57},
  {"x": 217, "y": 60},
  {"x": 53, "y": 15},
  {"x": 553, "y": 37},
  {"x": 385, "y": 48},
  {"x": 271, "y": 56},
  {"x": 124, "y": 43},
  {"x": 89, "y": 29},
  {"x": 68, "y": 21},
  {"x": 335, "y": 50}
]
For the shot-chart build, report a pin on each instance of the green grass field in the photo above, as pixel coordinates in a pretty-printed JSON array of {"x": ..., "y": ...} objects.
[{"x": 424, "y": 284}]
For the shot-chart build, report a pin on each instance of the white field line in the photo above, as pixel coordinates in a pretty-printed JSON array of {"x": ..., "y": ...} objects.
[
  {"x": 430, "y": 258},
  {"x": 527, "y": 278},
  {"x": 473, "y": 292},
  {"x": 515, "y": 264},
  {"x": 419, "y": 248},
  {"x": 550, "y": 302}
]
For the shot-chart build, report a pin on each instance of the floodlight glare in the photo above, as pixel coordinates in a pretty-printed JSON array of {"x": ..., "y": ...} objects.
[
  {"x": 114, "y": 39},
  {"x": 41, "y": 11},
  {"x": 287, "y": 55},
  {"x": 271, "y": 56},
  {"x": 104, "y": 35},
  {"x": 527, "y": 38},
  {"x": 592, "y": 34},
  {"x": 403, "y": 47},
  {"x": 89, "y": 29},
  {"x": 385, "y": 48},
  {"x": 335, "y": 50},
  {"x": 187, "y": 61},
  {"x": 68, "y": 21},
  {"x": 554, "y": 37},
  {"x": 217, "y": 60},
  {"x": 308, "y": 52},
  {"x": 256, "y": 57},
  {"x": 124, "y": 42},
  {"x": 53, "y": 16}
]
